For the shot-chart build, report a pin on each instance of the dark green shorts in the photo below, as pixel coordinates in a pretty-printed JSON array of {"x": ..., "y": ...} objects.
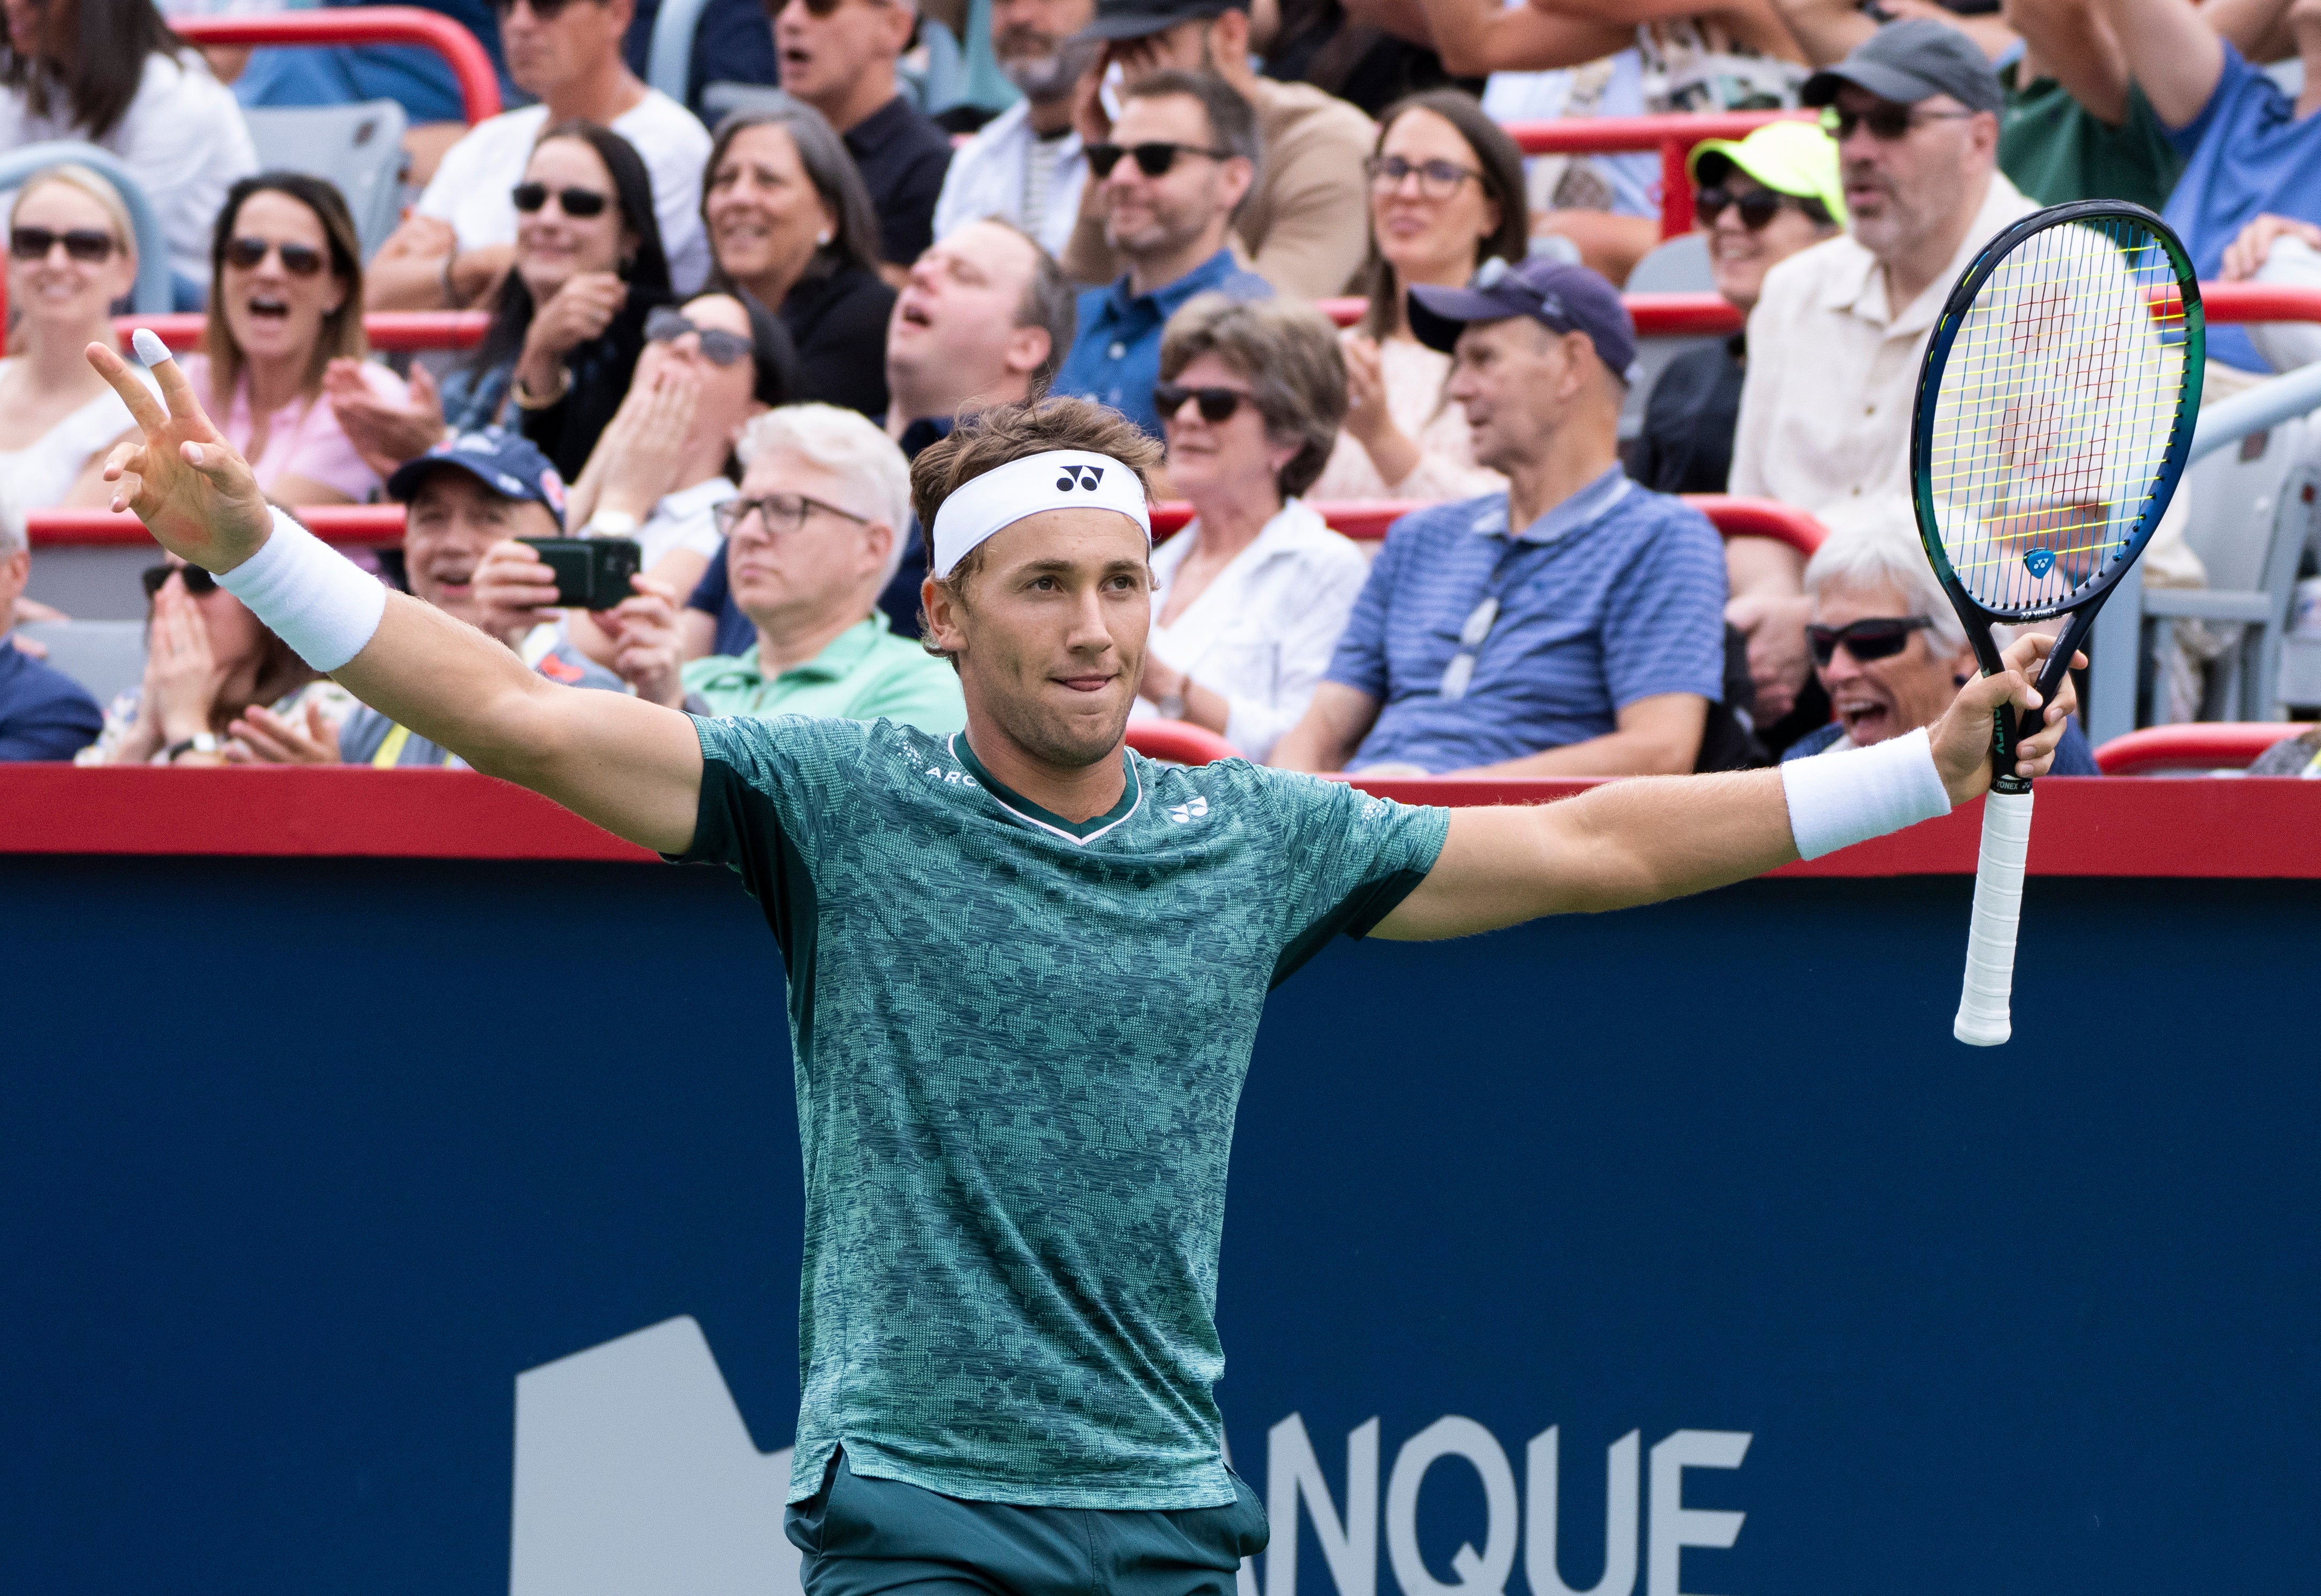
[{"x": 862, "y": 1536}]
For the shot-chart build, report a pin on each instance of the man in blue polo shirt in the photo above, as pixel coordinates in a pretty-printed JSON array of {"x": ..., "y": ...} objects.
[
  {"x": 2249, "y": 149},
  {"x": 1183, "y": 156},
  {"x": 44, "y": 713},
  {"x": 1572, "y": 625}
]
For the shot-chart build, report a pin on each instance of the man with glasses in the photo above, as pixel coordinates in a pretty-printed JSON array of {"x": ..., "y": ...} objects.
[
  {"x": 1838, "y": 330},
  {"x": 1570, "y": 626},
  {"x": 811, "y": 541},
  {"x": 1887, "y": 645},
  {"x": 459, "y": 240},
  {"x": 44, "y": 713},
  {"x": 838, "y": 57},
  {"x": 1305, "y": 221},
  {"x": 1177, "y": 165}
]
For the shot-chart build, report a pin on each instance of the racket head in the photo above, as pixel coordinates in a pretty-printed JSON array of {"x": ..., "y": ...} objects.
[{"x": 2054, "y": 412}]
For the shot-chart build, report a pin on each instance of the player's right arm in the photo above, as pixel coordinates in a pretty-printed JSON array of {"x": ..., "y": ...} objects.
[{"x": 632, "y": 768}]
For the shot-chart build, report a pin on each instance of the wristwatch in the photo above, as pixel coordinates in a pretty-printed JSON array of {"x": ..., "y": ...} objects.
[
  {"x": 611, "y": 523},
  {"x": 199, "y": 743},
  {"x": 1171, "y": 706}
]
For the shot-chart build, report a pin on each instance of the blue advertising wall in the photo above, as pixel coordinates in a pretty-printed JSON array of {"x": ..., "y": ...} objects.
[{"x": 303, "y": 1163}]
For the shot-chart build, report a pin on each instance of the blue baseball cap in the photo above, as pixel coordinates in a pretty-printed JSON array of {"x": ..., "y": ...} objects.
[
  {"x": 1559, "y": 295},
  {"x": 506, "y": 462}
]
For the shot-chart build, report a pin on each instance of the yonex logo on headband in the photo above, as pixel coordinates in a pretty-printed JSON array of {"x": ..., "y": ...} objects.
[{"x": 1053, "y": 479}]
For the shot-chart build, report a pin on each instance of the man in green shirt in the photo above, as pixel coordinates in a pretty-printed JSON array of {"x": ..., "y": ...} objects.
[
  {"x": 1026, "y": 970},
  {"x": 811, "y": 541}
]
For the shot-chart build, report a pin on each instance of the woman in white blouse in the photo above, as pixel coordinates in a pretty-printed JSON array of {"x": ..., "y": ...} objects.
[
  {"x": 1249, "y": 599},
  {"x": 111, "y": 72},
  {"x": 71, "y": 255},
  {"x": 1446, "y": 195}
]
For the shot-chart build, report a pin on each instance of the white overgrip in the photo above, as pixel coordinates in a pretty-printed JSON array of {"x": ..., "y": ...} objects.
[{"x": 1983, "y": 1017}]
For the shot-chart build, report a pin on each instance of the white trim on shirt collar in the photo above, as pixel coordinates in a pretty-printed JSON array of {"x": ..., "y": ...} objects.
[{"x": 951, "y": 745}]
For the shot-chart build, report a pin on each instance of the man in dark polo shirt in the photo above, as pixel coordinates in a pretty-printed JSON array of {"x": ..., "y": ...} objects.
[
  {"x": 841, "y": 62},
  {"x": 44, "y": 713}
]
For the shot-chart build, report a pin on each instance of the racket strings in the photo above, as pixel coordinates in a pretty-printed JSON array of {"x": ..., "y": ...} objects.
[{"x": 2063, "y": 386}]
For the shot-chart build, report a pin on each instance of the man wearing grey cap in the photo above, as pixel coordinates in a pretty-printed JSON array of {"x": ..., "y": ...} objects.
[
  {"x": 1305, "y": 224},
  {"x": 1570, "y": 626},
  {"x": 1837, "y": 333}
]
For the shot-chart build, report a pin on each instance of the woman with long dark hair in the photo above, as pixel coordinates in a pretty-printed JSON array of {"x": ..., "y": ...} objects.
[
  {"x": 286, "y": 299},
  {"x": 1446, "y": 195},
  {"x": 790, "y": 225},
  {"x": 112, "y": 73},
  {"x": 570, "y": 323}
]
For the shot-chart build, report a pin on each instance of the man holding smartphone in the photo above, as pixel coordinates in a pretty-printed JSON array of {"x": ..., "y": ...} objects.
[{"x": 465, "y": 495}]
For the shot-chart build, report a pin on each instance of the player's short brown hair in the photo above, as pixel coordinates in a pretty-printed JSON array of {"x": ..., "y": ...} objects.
[{"x": 1005, "y": 433}]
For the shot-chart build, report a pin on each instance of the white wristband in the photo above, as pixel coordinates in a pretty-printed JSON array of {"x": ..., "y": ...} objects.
[
  {"x": 1839, "y": 800},
  {"x": 309, "y": 595}
]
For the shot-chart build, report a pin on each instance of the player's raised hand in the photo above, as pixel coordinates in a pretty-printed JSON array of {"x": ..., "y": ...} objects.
[
  {"x": 184, "y": 480},
  {"x": 1961, "y": 738}
]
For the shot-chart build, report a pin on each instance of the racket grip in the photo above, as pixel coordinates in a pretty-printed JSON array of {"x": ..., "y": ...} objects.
[{"x": 1983, "y": 1018}]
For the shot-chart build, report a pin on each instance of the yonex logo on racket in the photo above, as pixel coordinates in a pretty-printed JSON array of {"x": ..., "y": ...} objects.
[
  {"x": 1083, "y": 476},
  {"x": 2039, "y": 561}
]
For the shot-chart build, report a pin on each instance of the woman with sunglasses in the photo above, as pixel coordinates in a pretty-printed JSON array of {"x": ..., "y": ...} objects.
[
  {"x": 1249, "y": 599},
  {"x": 1446, "y": 195},
  {"x": 286, "y": 299},
  {"x": 1886, "y": 644},
  {"x": 208, "y": 662},
  {"x": 790, "y": 226},
  {"x": 112, "y": 73},
  {"x": 570, "y": 324},
  {"x": 69, "y": 258}
]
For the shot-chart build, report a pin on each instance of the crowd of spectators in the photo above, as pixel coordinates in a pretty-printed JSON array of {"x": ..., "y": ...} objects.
[{"x": 727, "y": 339}]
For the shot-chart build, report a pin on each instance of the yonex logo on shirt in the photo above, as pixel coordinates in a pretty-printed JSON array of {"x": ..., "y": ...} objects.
[
  {"x": 1086, "y": 477},
  {"x": 1186, "y": 813}
]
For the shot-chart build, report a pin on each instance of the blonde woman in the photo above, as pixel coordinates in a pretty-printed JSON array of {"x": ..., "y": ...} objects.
[{"x": 71, "y": 253}]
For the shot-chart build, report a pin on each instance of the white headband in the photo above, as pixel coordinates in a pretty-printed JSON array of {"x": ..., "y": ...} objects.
[{"x": 1058, "y": 480}]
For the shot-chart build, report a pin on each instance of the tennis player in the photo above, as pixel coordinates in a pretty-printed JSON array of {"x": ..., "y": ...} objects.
[{"x": 1025, "y": 967}]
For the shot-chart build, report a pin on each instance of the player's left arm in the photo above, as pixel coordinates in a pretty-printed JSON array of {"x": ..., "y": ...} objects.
[{"x": 1629, "y": 843}]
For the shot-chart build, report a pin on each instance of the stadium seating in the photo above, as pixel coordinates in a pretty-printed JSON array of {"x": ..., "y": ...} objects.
[{"x": 357, "y": 147}]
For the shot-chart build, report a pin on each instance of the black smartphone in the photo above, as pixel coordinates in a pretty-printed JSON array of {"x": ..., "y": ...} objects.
[{"x": 591, "y": 572}]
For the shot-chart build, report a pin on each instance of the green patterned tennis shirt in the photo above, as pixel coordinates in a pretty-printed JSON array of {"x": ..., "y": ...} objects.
[{"x": 1019, "y": 1045}]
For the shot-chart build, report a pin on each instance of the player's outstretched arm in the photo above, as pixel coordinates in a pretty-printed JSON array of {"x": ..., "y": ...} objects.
[
  {"x": 632, "y": 768},
  {"x": 1628, "y": 843}
]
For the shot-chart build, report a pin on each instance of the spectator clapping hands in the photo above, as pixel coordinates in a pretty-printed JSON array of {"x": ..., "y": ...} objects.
[
  {"x": 385, "y": 432},
  {"x": 261, "y": 737},
  {"x": 2245, "y": 256},
  {"x": 183, "y": 676},
  {"x": 647, "y": 441}
]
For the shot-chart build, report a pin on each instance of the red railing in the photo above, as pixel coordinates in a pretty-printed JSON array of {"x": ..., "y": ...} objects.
[
  {"x": 1179, "y": 741},
  {"x": 374, "y": 525},
  {"x": 470, "y": 63},
  {"x": 1672, "y": 135},
  {"x": 390, "y": 331},
  {"x": 2209, "y": 745}
]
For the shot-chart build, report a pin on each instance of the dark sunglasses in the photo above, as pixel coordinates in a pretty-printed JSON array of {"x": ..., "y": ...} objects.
[
  {"x": 1217, "y": 404},
  {"x": 199, "y": 582},
  {"x": 82, "y": 244},
  {"x": 1886, "y": 121},
  {"x": 813, "y": 7},
  {"x": 1878, "y": 638},
  {"x": 579, "y": 204},
  {"x": 1437, "y": 179},
  {"x": 247, "y": 254},
  {"x": 718, "y": 347},
  {"x": 1153, "y": 160},
  {"x": 1757, "y": 208},
  {"x": 547, "y": 10}
]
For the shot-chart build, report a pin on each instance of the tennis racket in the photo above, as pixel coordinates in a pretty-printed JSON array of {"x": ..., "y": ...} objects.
[{"x": 2053, "y": 418}]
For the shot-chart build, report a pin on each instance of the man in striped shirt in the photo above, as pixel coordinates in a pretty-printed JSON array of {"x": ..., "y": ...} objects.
[{"x": 1572, "y": 625}]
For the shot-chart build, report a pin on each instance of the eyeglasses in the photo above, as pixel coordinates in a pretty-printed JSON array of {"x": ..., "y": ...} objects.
[
  {"x": 579, "y": 204},
  {"x": 1217, "y": 404},
  {"x": 1881, "y": 637},
  {"x": 718, "y": 347},
  {"x": 547, "y": 10},
  {"x": 1153, "y": 160},
  {"x": 1757, "y": 208},
  {"x": 199, "y": 583},
  {"x": 1887, "y": 122},
  {"x": 780, "y": 514},
  {"x": 1437, "y": 179},
  {"x": 247, "y": 254},
  {"x": 85, "y": 244},
  {"x": 813, "y": 7}
]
